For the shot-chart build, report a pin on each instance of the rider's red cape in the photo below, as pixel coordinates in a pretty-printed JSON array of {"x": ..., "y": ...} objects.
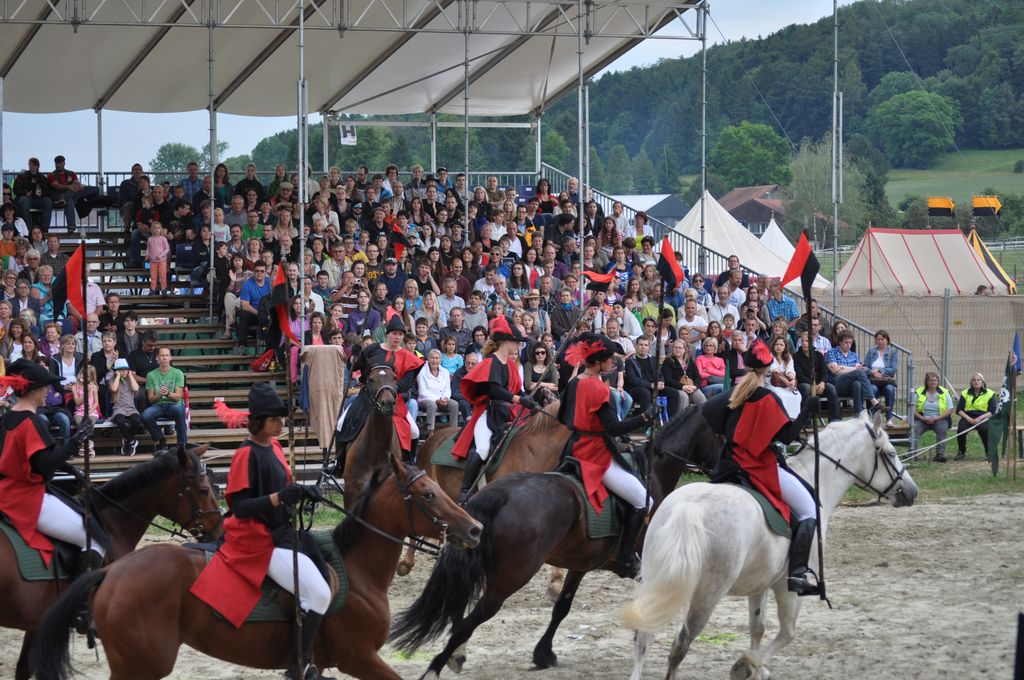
[
  {"x": 232, "y": 581},
  {"x": 21, "y": 489},
  {"x": 474, "y": 388},
  {"x": 760, "y": 420},
  {"x": 591, "y": 450},
  {"x": 403, "y": 361}
]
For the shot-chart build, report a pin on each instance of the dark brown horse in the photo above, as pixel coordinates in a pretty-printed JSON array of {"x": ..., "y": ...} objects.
[
  {"x": 173, "y": 486},
  {"x": 144, "y": 611},
  {"x": 536, "y": 447},
  {"x": 530, "y": 519}
]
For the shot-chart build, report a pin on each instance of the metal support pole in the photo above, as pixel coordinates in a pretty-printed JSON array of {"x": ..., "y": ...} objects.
[
  {"x": 465, "y": 100},
  {"x": 837, "y": 160},
  {"x": 585, "y": 181},
  {"x": 3, "y": 180},
  {"x": 580, "y": 132},
  {"x": 211, "y": 23},
  {"x": 702, "y": 256},
  {"x": 433, "y": 143},
  {"x": 910, "y": 403},
  {"x": 537, "y": 150},
  {"x": 326, "y": 145},
  {"x": 945, "y": 336},
  {"x": 303, "y": 130},
  {"x": 101, "y": 183}
]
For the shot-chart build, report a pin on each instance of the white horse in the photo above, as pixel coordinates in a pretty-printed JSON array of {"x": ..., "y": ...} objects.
[{"x": 711, "y": 540}]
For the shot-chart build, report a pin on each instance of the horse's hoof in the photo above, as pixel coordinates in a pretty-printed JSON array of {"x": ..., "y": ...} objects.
[
  {"x": 429, "y": 675},
  {"x": 544, "y": 658},
  {"x": 746, "y": 669},
  {"x": 403, "y": 569},
  {"x": 456, "y": 662}
]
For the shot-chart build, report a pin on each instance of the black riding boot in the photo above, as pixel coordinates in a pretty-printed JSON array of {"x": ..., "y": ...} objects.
[
  {"x": 88, "y": 562},
  {"x": 626, "y": 563},
  {"x": 802, "y": 579},
  {"x": 474, "y": 465},
  {"x": 310, "y": 627},
  {"x": 410, "y": 455}
]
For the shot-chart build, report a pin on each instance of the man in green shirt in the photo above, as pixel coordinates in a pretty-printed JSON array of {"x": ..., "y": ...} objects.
[{"x": 165, "y": 391}]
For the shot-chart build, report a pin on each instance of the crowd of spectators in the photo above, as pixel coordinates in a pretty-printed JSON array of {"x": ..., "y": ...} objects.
[{"x": 377, "y": 246}]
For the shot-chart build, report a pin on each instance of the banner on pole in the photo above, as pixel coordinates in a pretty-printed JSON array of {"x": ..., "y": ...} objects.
[{"x": 347, "y": 134}]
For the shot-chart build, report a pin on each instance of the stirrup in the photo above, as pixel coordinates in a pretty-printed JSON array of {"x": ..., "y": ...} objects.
[
  {"x": 799, "y": 583},
  {"x": 629, "y": 568}
]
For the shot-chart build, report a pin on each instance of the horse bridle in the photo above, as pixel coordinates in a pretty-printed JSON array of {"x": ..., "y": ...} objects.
[
  {"x": 189, "y": 482},
  {"x": 887, "y": 460},
  {"x": 383, "y": 388}
]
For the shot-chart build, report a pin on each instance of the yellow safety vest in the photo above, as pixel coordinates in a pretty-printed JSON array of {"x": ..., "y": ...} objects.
[
  {"x": 944, "y": 399},
  {"x": 979, "y": 402}
]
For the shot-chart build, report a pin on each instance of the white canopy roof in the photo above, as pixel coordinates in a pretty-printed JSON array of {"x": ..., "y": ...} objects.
[
  {"x": 915, "y": 262},
  {"x": 777, "y": 241},
  {"x": 361, "y": 56},
  {"x": 725, "y": 235}
]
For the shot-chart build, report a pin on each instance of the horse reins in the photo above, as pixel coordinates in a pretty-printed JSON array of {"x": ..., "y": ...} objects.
[{"x": 895, "y": 475}]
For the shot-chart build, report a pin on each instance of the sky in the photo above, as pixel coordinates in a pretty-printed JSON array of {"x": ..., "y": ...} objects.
[{"x": 130, "y": 138}]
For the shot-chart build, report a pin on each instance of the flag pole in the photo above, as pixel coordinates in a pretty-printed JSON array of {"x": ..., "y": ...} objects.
[
  {"x": 648, "y": 464},
  {"x": 1012, "y": 452},
  {"x": 87, "y": 463}
]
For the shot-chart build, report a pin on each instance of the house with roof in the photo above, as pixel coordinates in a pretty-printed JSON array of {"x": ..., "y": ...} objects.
[{"x": 754, "y": 207}]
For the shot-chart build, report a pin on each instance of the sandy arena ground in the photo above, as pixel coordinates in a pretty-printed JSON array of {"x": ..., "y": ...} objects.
[{"x": 930, "y": 591}]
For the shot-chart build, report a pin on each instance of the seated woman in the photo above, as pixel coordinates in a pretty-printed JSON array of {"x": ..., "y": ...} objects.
[
  {"x": 781, "y": 376},
  {"x": 711, "y": 368},
  {"x": 882, "y": 361},
  {"x": 977, "y": 404},
  {"x": 681, "y": 373},
  {"x": 933, "y": 411}
]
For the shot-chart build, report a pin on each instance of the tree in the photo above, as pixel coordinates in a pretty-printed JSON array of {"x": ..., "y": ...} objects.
[
  {"x": 810, "y": 191},
  {"x": 204, "y": 160},
  {"x": 236, "y": 164},
  {"x": 892, "y": 84},
  {"x": 749, "y": 154},
  {"x": 555, "y": 151},
  {"x": 173, "y": 158},
  {"x": 598, "y": 179},
  {"x": 644, "y": 179},
  {"x": 617, "y": 171},
  {"x": 914, "y": 128}
]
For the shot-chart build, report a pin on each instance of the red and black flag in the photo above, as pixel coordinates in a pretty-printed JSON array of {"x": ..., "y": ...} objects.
[
  {"x": 279, "y": 304},
  {"x": 67, "y": 287},
  {"x": 668, "y": 267},
  {"x": 600, "y": 281},
  {"x": 398, "y": 241},
  {"x": 804, "y": 264}
]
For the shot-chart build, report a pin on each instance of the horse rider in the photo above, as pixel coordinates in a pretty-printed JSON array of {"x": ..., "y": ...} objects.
[
  {"x": 29, "y": 457},
  {"x": 406, "y": 365},
  {"x": 587, "y": 411},
  {"x": 495, "y": 389},
  {"x": 258, "y": 540},
  {"x": 750, "y": 418}
]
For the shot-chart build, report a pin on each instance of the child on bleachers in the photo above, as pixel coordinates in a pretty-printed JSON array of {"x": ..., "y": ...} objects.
[
  {"x": 123, "y": 389},
  {"x": 158, "y": 251},
  {"x": 94, "y": 401}
]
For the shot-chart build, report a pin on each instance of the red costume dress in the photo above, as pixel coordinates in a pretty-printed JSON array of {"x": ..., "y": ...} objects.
[
  {"x": 22, "y": 487},
  {"x": 406, "y": 365},
  {"x": 489, "y": 387},
  {"x": 749, "y": 432},
  {"x": 587, "y": 411},
  {"x": 231, "y": 582}
]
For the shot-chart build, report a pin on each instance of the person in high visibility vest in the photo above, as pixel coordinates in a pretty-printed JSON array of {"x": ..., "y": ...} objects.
[
  {"x": 933, "y": 411},
  {"x": 977, "y": 404}
]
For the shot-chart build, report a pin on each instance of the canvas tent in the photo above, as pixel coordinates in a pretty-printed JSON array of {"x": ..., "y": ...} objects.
[
  {"x": 777, "y": 241},
  {"x": 724, "y": 235},
  {"x": 986, "y": 255},
  {"x": 915, "y": 262}
]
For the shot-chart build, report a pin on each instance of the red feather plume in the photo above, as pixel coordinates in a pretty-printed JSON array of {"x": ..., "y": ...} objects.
[
  {"x": 578, "y": 353},
  {"x": 231, "y": 417},
  {"x": 15, "y": 382},
  {"x": 762, "y": 352}
]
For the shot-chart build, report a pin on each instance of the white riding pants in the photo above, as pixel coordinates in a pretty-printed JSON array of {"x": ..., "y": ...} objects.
[
  {"x": 61, "y": 522},
  {"x": 625, "y": 485},
  {"x": 796, "y": 495},
  {"x": 410, "y": 418},
  {"x": 482, "y": 437},
  {"x": 314, "y": 593}
]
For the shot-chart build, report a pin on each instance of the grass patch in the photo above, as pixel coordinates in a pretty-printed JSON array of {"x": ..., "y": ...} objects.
[
  {"x": 959, "y": 176},
  {"x": 718, "y": 638}
]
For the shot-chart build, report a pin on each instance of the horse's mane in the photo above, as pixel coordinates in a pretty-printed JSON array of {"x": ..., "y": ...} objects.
[
  {"x": 537, "y": 423},
  {"x": 345, "y": 534},
  {"x": 139, "y": 477},
  {"x": 673, "y": 426}
]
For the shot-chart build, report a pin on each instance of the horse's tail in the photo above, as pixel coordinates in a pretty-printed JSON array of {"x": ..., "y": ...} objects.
[
  {"x": 457, "y": 580},
  {"x": 671, "y": 568},
  {"x": 49, "y": 658}
]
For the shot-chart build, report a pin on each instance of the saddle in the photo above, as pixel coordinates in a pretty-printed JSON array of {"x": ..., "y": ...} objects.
[
  {"x": 67, "y": 558},
  {"x": 442, "y": 456},
  {"x": 276, "y": 605},
  {"x": 729, "y": 472},
  {"x": 610, "y": 520}
]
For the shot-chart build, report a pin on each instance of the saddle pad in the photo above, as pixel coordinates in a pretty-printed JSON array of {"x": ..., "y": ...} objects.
[
  {"x": 771, "y": 515},
  {"x": 608, "y": 522},
  {"x": 30, "y": 561},
  {"x": 442, "y": 456},
  {"x": 273, "y": 608}
]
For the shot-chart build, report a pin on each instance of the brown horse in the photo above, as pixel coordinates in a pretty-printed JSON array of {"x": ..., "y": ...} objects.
[
  {"x": 536, "y": 447},
  {"x": 175, "y": 487},
  {"x": 144, "y": 611},
  {"x": 529, "y": 520}
]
